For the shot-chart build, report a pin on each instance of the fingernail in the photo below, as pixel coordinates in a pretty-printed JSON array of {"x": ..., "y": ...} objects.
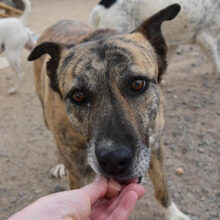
[{"x": 116, "y": 185}]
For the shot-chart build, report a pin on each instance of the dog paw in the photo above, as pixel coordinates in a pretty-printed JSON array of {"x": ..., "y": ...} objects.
[
  {"x": 12, "y": 91},
  {"x": 58, "y": 171},
  {"x": 173, "y": 213}
]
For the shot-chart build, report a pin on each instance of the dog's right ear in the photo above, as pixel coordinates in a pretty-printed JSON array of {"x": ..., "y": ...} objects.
[{"x": 51, "y": 48}]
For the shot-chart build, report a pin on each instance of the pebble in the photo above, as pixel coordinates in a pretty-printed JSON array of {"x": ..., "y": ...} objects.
[
  {"x": 201, "y": 150},
  {"x": 169, "y": 90},
  {"x": 179, "y": 171},
  {"x": 211, "y": 131},
  {"x": 163, "y": 82},
  {"x": 205, "y": 190},
  {"x": 197, "y": 106}
]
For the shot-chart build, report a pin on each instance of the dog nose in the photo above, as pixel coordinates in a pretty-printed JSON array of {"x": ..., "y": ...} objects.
[{"x": 116, "y": 161}]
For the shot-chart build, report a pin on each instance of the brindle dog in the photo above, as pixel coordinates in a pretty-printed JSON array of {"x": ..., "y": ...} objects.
[{"x": 101, "y": 100}]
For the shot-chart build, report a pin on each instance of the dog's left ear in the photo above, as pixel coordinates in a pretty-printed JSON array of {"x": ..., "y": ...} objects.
[
  {"x": 51, "y": 48},
  {"x": 151, "y": 29}
]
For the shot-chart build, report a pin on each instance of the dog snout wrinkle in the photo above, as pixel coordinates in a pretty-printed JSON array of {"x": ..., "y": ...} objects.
[{"x": 114, "y": 161}]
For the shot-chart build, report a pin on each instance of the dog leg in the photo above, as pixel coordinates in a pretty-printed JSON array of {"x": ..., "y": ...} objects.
[
  {"x": 74, "y": 163},
  {"x": 210, "y": 47},
  {"x": 13, "y": 59},
  {"x": 173, "y": 213},
  {"x": 158, "y": 177},
  {"x": 58, "y": 171},
  {"x": 79, "y": 177}
]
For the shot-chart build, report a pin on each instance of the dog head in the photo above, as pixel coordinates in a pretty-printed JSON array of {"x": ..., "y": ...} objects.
[{"x": 109, "y": 85}]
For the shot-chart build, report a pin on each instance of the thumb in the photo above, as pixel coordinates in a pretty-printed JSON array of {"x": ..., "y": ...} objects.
[{"x": 97, "y": 189}]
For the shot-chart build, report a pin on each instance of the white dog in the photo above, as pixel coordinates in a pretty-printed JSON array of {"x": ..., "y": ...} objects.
[
  {"x": 14, "y": 36},
  {"x": 198, "y": 22}
]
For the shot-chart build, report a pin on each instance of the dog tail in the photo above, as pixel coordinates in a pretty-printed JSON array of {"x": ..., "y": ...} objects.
[
  {"x": 94, "y": 17},
  {"x": 27, "y": 9}
]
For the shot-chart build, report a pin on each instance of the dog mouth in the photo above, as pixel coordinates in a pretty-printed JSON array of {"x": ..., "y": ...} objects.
[{"x": 136, "y": 180}]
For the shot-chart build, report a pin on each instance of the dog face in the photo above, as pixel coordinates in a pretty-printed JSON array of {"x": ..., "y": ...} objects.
[
  {"x": 109, "y": 86},
  {"x": 111, "y": 95}
]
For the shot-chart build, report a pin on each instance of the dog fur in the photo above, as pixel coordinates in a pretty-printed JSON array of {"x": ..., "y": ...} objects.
[
  {"x": 101, "y": 100},
  {"x": 198, "y": 22},
  {"x": 14, "y": 36}
]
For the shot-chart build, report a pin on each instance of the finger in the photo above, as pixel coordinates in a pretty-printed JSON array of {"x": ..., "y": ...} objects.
[
  {"x": 126, "y": 205},
  {"x": 137, "y": 188},
  {"x": 113, "y": 189},
  {"x": 97, "y": 189}
]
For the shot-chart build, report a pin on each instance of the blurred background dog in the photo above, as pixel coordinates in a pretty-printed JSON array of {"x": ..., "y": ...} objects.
[
  {"x": 14, "y": 37},
  {"x": 198, "y": 22}
]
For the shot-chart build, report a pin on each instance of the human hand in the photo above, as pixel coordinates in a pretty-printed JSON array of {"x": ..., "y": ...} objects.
[{"x": 100, "y": 200}]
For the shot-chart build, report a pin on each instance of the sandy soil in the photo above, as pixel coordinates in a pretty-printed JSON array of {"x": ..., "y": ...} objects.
[{"x": 192, "y": 135}]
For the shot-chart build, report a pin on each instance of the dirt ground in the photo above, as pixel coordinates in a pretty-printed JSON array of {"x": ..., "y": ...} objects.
[{"x": 192, "y": 134}]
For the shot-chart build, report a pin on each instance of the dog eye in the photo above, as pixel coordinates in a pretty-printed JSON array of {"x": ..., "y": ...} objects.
[
  {"x": 78, "y": 97},
  {"x": 138, "y": 85}
]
